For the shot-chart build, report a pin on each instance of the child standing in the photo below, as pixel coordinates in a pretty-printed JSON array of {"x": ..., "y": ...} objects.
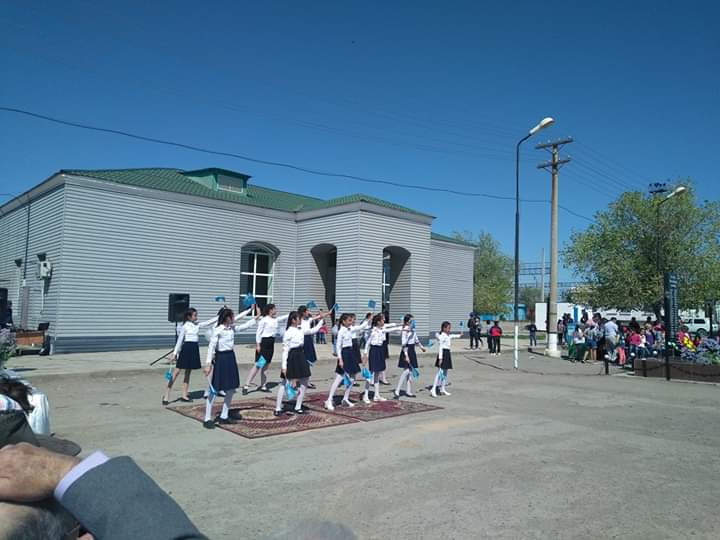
[
  {"x": 347, "y": 365},
  {"x": 295, "y": 367},
  {"x": 264, "y": 346},
  {"x": 408, "y": 357},
  {"x": 186, "y": 354},
  {"x": 306, "y": 325},
  {"x": 376, "y": 355},
  {"x": 221, "y": 365},
  {"x": 444, "y": 359}
]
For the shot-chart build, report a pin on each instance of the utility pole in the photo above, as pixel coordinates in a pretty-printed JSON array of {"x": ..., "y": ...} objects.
[
  {"x": 542, "y": 275},
  {"x": 554, "y": 164}
]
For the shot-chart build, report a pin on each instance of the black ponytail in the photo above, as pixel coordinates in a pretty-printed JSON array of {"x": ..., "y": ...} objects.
[
  {"x": 292, "y": 319},
  {"x": 188, "y": 314}
]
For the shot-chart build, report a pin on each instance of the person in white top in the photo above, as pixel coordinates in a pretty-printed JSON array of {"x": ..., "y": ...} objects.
[
  {"x": 375, "y": 356},
  {"x": 295, "y": 368},
  {"x": 408, "y": 358},
  {"x": 264, "y": 346},
  {"x": 347, "y": 363},
  {"x": 221, "y": 365},
  {"x": 306, "y": 323},
  {"x": 444, "y": 358},
  {"x": 355, "y": 330},
  {"x": 186, "y": 355}
]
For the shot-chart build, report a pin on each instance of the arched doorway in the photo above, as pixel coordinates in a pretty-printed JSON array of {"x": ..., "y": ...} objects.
[
  {"x": 395, "y": 286},
  {"x": 325, "y": 257}
]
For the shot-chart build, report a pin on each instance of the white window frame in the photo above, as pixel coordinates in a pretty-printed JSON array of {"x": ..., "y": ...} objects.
[
  {"x": 255, "y": 274},
  {"x": 385, "y": 290}
]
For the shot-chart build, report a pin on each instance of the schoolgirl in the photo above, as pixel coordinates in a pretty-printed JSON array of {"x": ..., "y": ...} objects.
[
  {"x": 264, "y": 346},
  {"x": 186, "y": 354},
  {"x": 347, "y": 361},
  {"x": 295, "y": 368},
  {"x": 444, "y": 358},
  {"x": 355, "y": 330},
  {"x": 306, "y": 321},
  {"x": 375, "y": 356},
  {"x": 221, "y": 366},
  {"x": 408, "y": 358}
]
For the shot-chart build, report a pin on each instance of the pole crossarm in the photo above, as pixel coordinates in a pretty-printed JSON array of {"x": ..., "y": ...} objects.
[
  {"x": 547, "y": 164},
  {"x": 550, "y": 144}
]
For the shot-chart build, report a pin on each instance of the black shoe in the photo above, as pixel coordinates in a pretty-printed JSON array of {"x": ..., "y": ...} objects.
[
  {"x": 166, "y": 402},
  {"x": 300, "y": 411},
  {"x": 277, "y": 413},
  {"x": 410, "y": 395},
  {"x": 227, "y": 421},
  {"x": 396, "y": 395},
  {"x": 311, "y": 386},
  {"x": 209, "y": 424},
  {"x": 244, "y": 390},
  {"x": 385, "y": 383}
]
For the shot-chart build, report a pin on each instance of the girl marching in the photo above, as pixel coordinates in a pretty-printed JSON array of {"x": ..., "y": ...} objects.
[
  {"x": 186, "y": 354},
  {"x": 264, "y": 346},
  {"x": 375, "y": 355},
  {"x": 408, "y": 357},
  {"x": 347, "y": 361},
  {"x": 306, "y": 321},
  {"x": 444, "y": 359},
  {"x": 221, "y": 365},
  {"x": 295, "y": 366}
]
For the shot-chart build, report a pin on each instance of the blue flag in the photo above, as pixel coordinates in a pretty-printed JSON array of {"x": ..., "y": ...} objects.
[
  {"x": 212, "y": 393},
  {"x": 220, "y": 299},
  {"x": 372, "y": 304},
  {"x": 430, "y": 343},
  {"x": 261, "y": 362},
  {"x": 168, "y": 374},
  {"x": 335, "y": 308},
  {"x": 311, "y": 304},
  {"x": 347, "y": 381},
  {"x": 366, "y": 373},
  {"x": 415, "y": 373},
  {"x": 442, "y": 376},
  {"x": 248, "y": 301},
  {"x": 412, "y": 324},
  {"x": 291, "y": 392}
]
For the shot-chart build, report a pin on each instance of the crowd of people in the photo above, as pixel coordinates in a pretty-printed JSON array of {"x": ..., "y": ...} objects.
[{"x": 493, "y": 332}]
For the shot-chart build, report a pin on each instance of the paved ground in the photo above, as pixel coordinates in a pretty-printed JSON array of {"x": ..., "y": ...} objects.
[{"x": 552, "y": 451}]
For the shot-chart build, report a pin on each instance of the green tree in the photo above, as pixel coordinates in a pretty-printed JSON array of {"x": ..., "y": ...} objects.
[
  {"x": 617, "y": 254},
  {"x": 493, "y": 273}
]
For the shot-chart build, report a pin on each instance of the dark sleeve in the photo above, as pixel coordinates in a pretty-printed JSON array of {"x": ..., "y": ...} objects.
[{"x": 117, "y": 501}]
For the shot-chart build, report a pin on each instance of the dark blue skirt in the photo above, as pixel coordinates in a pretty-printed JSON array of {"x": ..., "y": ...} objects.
[
  {"x": 386, "y": 348},
  {"x": 225, "y": 371},
  {"x": 446, "y": 360},
  {"x": 309, "y": 348},
  {"x": 356, "y": 350},
  {"x": 267, "y": 348},
  {"x": 377, "y": 359},
  {"x": 402, "y": 363},
  {"x": 297, "y": 366},
  {"x": 189, "y": 357},
  {"x": 350, "y": 364}
]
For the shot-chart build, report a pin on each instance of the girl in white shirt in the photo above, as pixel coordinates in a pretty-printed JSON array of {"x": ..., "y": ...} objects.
[
  {"x": 264, "y": 346},
  {"x": 444, "y": 359},
  {"x": 221, "y": 365},
  {"x": 408, "y": 357},
  {"x": 186, "y": 354},
  {"x": 347, "y": 363},
  {"x": 375, "y": 356},
  {"x": 295, "y": 368},
  {"x": 306, "y": 321}
]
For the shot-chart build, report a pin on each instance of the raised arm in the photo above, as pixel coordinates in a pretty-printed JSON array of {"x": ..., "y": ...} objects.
[
  {"x": 244, "y": 313},
  {"x": 209, "y": 322},
  {"x": 211, "y": 346},
  {"x": 242, "y": 326},
  {"x": 314, "y": 330},
  {"x": 282, "y": 318}
]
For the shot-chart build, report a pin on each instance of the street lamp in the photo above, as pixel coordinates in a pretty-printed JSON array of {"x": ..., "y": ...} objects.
[
  {"x": 545, "y": 122},
  {"x": 677, "y": 191}
]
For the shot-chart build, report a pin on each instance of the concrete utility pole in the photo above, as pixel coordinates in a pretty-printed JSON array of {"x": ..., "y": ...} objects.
[
  {"x": 542, "y": 275},
  {"x": 554, "y": 164}
]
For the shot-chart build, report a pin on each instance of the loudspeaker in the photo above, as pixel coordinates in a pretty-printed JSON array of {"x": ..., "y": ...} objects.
[
  {"x": 178, "y": 304},
  {"x": 3, "y": 301}
]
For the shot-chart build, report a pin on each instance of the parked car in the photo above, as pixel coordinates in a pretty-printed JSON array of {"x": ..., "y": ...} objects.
[{"x": 700, "y": 325}]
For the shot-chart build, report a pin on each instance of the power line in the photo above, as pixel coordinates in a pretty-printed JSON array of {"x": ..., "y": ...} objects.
[{"x": 273, "y": 163}]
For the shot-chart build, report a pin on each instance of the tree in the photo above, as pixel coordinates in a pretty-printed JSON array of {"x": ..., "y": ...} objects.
[
  {"x": 617, "y": 254},
  {"x": 529, "y": 296},
  {"x": 492, "y": 273}
]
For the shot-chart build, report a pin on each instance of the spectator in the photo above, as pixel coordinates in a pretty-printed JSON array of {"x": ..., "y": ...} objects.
[
  {"x": 579, "y": 343},
  {"x": 495, "y": 335},
  {"x": 320, "y": 337},
  {"x": 532, "y": 328},
  {"x": 591, "y": 339},
  {"x": 472, "y": 325},
  {"x": 479, "y": 331},
  {"x": 561, "y": 332},
  {"x": 610, "y": 335}
]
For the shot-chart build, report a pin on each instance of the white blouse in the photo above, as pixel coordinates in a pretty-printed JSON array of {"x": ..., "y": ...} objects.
[
  {"x": 444, "y": 342},
  {"x": 359, "y": 328},
  {"x": 189, "y": 331},
  {"x": 268, "y": 327},
  {"x": 308, "y": 329},
  {"x": 293, "y": 338},
  {"x": 376, "y": 338},
  {"x": 344, "y": 339},
  {"x": 223, "y": 338},
  {"x": 409, "y": 337}
]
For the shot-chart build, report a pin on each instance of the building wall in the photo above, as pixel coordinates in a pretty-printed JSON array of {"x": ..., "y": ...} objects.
[
  {"x": 45, "y": 236},
  {"x": 451, "y": 285},
  {"x": 125, "y": 252}
]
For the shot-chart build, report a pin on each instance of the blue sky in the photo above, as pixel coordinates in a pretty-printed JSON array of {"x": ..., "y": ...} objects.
[{"x": 430, "y": 93}]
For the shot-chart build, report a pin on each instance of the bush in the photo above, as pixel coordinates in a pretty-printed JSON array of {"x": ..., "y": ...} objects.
[{"x": 707, "y": 352}]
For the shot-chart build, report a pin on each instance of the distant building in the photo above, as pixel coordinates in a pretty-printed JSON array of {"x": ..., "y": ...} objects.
[{"x": 96, "y": 253}]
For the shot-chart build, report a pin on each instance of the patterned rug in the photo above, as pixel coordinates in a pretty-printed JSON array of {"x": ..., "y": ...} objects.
[
  {"x": 373, "y": 411},
  {"x": 257, "y": 418}
]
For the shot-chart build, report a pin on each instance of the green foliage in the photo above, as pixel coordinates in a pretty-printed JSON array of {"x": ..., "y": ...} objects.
[
  {"x": 493, "y": 273},
  {"x": 617, "y": 255}
]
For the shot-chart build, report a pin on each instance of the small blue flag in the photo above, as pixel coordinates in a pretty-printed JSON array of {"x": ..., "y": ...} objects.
[
  {"x": 335, "y": 308},
  {"x": 248, "y": 301},
  {"x": 291, "y": 391},
  {"x": 311, "y": 304},
  {"x": 366, "y": 373},
  {"x": 220, "y": 299},
  {"x": 461, "y": 324},
  {"x": 212, "y": 393},
  {"x": 412, "y": 324},
  {"x": 261, "y": 362},
  {"x": 372, "y": 304},
  {"x": 442, "y": 376},
  {"x": 347, "y": 381},
  {"x": 168, "y": 374},
  {"x": 430, "y": 343},
  {"x": 415, "y": 373}
]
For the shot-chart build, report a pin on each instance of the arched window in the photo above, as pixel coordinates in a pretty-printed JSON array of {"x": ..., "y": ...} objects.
[{"x": 257, "y": 270}]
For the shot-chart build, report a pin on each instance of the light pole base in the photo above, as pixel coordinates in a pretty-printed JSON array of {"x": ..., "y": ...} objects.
[{"x": 552, "y": 347}]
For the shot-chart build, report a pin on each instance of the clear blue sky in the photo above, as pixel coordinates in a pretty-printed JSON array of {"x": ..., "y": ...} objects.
[{"x": 433, "y": 93}]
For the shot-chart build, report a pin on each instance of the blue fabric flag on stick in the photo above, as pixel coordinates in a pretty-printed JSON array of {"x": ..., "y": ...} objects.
[
  {"x": 290, "y": 389},
  {"x": 430, "y": 343},
  {"x": 412, "y": 324},
  {"x": 212, "y": 393},
  {"x": 220, "y": 299},
  {"x": 347, "y": 381},
  {"x": 261, "y": 362},
  {"x": 311, "y": 304},
  {"x": 366, "y": 373},
  {"x": 415, "y": 373},
  {"x": 248, "y": 301},
  {"x": 168, "y": 374},
  {"x": 335, "y": 308},
  {"x": 442, "y": 376},
  {"x": 372, "y": 304}
]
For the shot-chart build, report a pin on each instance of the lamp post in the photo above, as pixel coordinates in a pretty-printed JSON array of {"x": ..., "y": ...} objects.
[
  {"x": 545, "y": 122},
  {"x": 677, "y": 191}
]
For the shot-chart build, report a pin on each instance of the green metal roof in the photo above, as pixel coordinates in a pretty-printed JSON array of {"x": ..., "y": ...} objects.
[
  {"x": 442, "y": 237},
  {"x": 178, "y": 181}
]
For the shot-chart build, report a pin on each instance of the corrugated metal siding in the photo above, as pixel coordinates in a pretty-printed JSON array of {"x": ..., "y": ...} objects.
[
  {"x": 125, "y": 253},
  {"x": 451, "y": 287},
  {"x": 46, "y": 228}
]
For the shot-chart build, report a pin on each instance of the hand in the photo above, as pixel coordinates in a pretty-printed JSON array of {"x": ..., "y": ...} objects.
[
  {"x": 173, "y": 357},
  {"x": 423, "y": 349},
  {"x": 206, "y": 370},
  {"x": 257, "y": 348},
  {"x": 283, "y": 373},
  {"x": 340, "y": 363},
  {"x": 29, "y": 473},
  {"x": 365, "y": 359}
]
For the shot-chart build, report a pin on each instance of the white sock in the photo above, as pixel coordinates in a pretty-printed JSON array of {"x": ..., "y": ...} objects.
[
  {"x": 334, "y": 386},
  {"x": 409, "y": 385},
  {"x": 263, "y": 377},
  {"x": 251, "y": 375},
  {"x": 226, "y": 404},
  {"x": 382, "y": 377},
  {"x": 377, "y": 389},
  {"x": 403, "y": 376},
  {"x": 346, "y": 395},
  {"x": 280, "y": 396},
  {"x": 444, "y": 381},
  {"x": 437, "y": 379},
  {"x": 301, "y": 394},
  {"x": 208, "y": 408}
]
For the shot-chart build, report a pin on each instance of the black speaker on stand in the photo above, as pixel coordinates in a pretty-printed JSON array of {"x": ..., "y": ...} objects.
[{"x": 178, "y": 304}]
